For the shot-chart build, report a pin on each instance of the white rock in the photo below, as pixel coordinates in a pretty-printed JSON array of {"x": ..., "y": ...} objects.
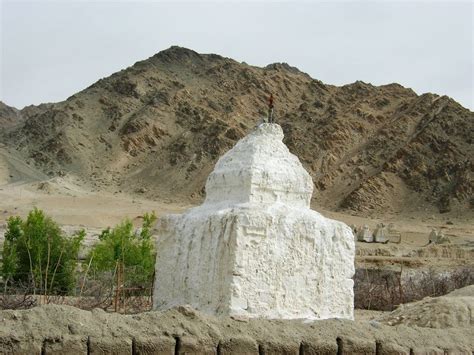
[
  {"x": 381, "y": 234},
  {"x": 436, "y": 237},
  {"x": 255, "y": 248},
  {"x": 433, "y": 237},
  {"x": 365, "y": 235}
]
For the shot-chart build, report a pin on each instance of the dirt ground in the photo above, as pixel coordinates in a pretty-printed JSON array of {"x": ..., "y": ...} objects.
[
  {"x": 71, "y": 202},
  {"x": 74, "y": 205}
]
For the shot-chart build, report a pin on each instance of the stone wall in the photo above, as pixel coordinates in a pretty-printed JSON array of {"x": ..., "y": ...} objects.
[
  {"x": 66, "y": 330},
  {"x": 67, "y": 344}
]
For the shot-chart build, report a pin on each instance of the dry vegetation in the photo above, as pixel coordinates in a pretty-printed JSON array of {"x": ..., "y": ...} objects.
[
  {"x": 384, "y": 290},
  {"x": 93, "y": 290}
]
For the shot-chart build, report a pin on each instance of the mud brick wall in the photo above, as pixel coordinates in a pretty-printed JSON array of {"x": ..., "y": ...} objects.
[
  {"x": 188, "y": 345},
  {"x": 67, "y": 330}
]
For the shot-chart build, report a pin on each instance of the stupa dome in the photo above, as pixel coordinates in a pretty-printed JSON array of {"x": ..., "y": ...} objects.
[{"x": 260, "y": 169}]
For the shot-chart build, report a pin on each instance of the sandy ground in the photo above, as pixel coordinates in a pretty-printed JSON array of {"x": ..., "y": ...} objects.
[
  {"x": 70, "y": 204},
  {"x": 71, "y": 201},
  {"x": 75, "y": 205},
  {"x": 455, "y": 309},
  {"x": 415, "y": 228}
]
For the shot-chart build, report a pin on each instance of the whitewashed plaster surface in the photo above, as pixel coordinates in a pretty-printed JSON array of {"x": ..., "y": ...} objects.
[{"x": 254, "y": 247}]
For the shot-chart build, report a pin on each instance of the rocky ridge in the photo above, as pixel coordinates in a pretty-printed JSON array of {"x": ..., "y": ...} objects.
[{"x": 158, "y": 127}]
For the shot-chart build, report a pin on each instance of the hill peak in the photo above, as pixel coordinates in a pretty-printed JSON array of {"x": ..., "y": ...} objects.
[{"x": 161, "y": 124}]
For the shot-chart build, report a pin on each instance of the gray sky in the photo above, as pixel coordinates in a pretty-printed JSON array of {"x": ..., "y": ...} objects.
[{"x": 50, "y": 50}]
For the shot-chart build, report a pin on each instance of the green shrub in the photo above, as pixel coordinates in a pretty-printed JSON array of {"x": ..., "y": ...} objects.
[
  {"x": 126, "y": 248},
  {"x": 36, "y": 253}
]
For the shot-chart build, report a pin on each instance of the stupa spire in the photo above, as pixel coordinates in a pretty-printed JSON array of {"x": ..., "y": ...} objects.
[{"x": 260, "y": 169}]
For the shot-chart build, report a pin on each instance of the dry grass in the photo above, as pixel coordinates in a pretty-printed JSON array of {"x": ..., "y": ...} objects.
[{"x": 383, "y": 290}]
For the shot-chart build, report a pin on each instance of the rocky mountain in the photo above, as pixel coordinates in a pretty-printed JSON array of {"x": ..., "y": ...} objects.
[
  {"x": 9, "y": 116},
  {"x": 159, "y": 126},
  {"x": 12, "y": 118}
]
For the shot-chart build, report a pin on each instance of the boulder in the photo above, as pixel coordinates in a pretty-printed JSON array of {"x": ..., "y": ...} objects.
[
  {"x": 381, "y": 234},
  {"x": 365, "y": 235}
]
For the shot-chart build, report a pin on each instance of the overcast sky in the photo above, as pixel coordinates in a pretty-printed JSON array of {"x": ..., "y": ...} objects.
[{"x": 50, "y": 50}]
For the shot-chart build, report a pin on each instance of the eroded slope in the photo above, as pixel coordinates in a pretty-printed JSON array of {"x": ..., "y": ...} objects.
[{"x": 159, "y": 126}]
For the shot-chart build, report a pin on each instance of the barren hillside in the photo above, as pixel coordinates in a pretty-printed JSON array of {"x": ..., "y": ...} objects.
[
  {"x": 157, "y": 128},
  {"x": 9, "y": 116}
]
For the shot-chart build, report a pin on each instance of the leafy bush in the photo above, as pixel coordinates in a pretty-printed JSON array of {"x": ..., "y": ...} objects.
[
  {"x": 38, "y": 254},
  {"x": 127, "y": 249}
]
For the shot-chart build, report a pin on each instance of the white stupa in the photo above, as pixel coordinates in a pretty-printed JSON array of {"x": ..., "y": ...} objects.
[{"x": 254, "y": 247}]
